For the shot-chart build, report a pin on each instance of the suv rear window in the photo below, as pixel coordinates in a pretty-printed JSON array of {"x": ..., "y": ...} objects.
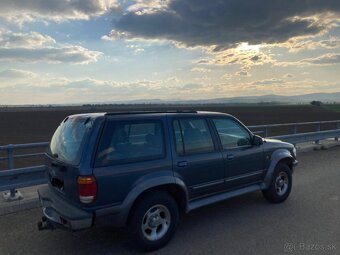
[
  {"x": 68, "y": 140},
  {"x": 124, "y": 142}
]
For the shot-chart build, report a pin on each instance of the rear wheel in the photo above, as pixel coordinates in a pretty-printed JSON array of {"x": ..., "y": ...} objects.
[
  {"x": 154, "y": 220},
  {"x": 281, "y": 184}
]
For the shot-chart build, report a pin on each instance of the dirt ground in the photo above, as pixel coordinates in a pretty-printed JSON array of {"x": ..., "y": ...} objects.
[{"x": 25, "y": 125}]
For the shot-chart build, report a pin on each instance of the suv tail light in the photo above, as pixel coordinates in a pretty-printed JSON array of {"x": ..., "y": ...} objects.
[{"x": 87, "y": 189}]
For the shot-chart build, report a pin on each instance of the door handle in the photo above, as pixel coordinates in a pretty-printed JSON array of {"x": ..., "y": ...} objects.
[
  {"x": 182, "y": 164},
  {"x": 230, "y": 157}
]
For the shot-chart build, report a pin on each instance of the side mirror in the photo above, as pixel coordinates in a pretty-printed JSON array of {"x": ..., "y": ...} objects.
[{"x": 257, "y": 140}]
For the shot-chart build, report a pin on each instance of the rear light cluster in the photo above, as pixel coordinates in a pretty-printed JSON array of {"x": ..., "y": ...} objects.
[{"x": 87, "y": 189}]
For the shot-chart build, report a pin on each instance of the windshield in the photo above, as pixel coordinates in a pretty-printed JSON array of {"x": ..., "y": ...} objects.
[{"x": 68, "y": 140}]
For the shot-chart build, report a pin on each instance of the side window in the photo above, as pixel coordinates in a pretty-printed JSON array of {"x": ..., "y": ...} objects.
[
  {"x": 130, "y": 142},
  {"x": 232, "y": 134},
  {"x": 192, "y": 136}
]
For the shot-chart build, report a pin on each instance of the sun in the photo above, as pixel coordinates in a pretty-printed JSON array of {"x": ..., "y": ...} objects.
[{"x": 244, "y": 46}]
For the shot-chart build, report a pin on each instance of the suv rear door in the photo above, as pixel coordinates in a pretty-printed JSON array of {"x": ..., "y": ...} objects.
[
  {"x": 244, "y": 162},
  {"x": 65, "y": 152},
  {"x": 196, "y": 158}
]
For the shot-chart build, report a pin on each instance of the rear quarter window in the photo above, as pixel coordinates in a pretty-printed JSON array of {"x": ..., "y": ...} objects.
[{"x": 125, "y": 142}]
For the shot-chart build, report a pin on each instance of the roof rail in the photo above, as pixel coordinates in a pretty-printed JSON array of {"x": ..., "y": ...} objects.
[{"x": 149, "y": 112}]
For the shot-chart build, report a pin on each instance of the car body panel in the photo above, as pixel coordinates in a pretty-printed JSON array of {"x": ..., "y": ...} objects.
[
  {"x": 202, "y": 172},
  {"x": 205, "y": 178}
]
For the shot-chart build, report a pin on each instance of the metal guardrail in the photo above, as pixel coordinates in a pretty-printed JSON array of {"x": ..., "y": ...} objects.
[
  {"x": 263, "y": 129},
  {"x": 13, "y": 178},
  {"x": 312, "y": 136}
]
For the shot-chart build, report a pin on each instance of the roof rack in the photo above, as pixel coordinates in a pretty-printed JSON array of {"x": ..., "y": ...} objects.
[{"x": 149, "y": 112}]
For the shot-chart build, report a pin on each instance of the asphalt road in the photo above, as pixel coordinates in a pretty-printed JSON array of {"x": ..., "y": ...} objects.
[{"x": 307, "y": 223}]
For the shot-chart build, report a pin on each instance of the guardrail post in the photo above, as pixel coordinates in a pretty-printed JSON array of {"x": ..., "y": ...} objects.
[
  {"x": 295, "y": 129},
  {"x": 13, "y": 194},
  {"x": 318, "y": 128},
  {"x": 337, "y": 127},
  {"x": 265, "y": 131}
]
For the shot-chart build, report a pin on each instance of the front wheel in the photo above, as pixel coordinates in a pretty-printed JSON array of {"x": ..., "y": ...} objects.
[
  {"x": 154, "y": 220},
  {"x": 281, "y": 184}
]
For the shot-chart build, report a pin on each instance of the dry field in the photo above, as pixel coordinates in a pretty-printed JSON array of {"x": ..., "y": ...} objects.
[{"x": 27, "y": 125}]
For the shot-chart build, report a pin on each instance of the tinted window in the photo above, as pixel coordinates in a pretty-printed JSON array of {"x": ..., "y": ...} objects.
[
  {"x": 68, "y": 140},
  {"x": 130, "y": 142},
  {"x": 232, "y": 134},
  {"x": 192, "y": 136}
]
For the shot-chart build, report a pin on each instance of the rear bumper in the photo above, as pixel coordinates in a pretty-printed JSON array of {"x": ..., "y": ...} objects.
[{"x": 58, "y": 213}]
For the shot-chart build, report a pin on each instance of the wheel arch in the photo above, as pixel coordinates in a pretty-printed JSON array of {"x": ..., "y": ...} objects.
[
  {"x": 279, "y": 156},
  {"x": 174, "y": 186},
  {"x": 289, "y": 161},
  {"x": 176, "y": 191}
]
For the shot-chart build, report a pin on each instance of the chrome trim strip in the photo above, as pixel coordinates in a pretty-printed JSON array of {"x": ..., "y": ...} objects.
[
  {"x": 244, "y": 176},
  {"x": 208, "y": 184}
]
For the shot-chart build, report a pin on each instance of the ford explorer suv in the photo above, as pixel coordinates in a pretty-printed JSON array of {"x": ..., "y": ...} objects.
[{"x": 143, "y": 169}]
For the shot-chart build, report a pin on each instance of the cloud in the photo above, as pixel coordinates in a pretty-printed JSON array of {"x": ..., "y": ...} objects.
[
  {"x": 20, "y": 11},
  {"x": 288, "y": 75},
  {"x": 268, "y": 82},
  {"x": 227, "y": 76},
  {"x": 307, "y": 43},
  {"x": 71, "y": 54},
  {"x": 243, "y": 73},
  {"x": 25, "y": 40},
  {"x": 224, "y": 24},
  {"x": 136, "y": 48},
  {"x": 192, "y": 86},
  {"x": 16, "y": 74},
  {"x": 244, "y": 55},
  {"x": 200, "y": 70},
  {"x": 323, "y": 60},
  {"x": 46, "y": 89},
  {"x": 34, "y": 47},
  {"x": 123, "y": 36},
  {"x": 330, "y": 44},
  {"x": 141, "y": 7},
  {"x": 326, "y": 59},
  {"x": 275, "y": 86}
]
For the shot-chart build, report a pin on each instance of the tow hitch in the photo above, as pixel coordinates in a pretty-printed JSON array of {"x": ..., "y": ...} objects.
[{"x": 45, "y": 224}]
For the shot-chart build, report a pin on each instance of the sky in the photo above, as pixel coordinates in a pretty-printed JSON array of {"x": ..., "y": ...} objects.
[{"x": 88, "y": 51}]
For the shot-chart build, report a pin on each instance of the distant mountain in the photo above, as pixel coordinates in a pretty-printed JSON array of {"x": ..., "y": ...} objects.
[
  {"x": 297, "y": 99},
  {"x": 323, "y": 97},
  {"x": 265, "y": 99}
]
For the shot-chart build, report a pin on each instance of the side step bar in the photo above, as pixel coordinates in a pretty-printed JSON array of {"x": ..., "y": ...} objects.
[{"x": 200, "y": 202}]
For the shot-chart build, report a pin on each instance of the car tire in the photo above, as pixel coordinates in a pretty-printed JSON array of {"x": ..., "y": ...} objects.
[
  {"x": 280, "y": 185},
  {"x": 153, "y": 220}
]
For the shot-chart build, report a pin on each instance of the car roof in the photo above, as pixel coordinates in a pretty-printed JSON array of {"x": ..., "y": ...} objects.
[
  {"x": 153, "y": 113},
  {"x": 170, "y": 112},
  {"x": 149, "y": 112}
]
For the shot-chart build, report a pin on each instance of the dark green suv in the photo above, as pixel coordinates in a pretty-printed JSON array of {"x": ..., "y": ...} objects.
[{"x": 143, "y": 169}]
